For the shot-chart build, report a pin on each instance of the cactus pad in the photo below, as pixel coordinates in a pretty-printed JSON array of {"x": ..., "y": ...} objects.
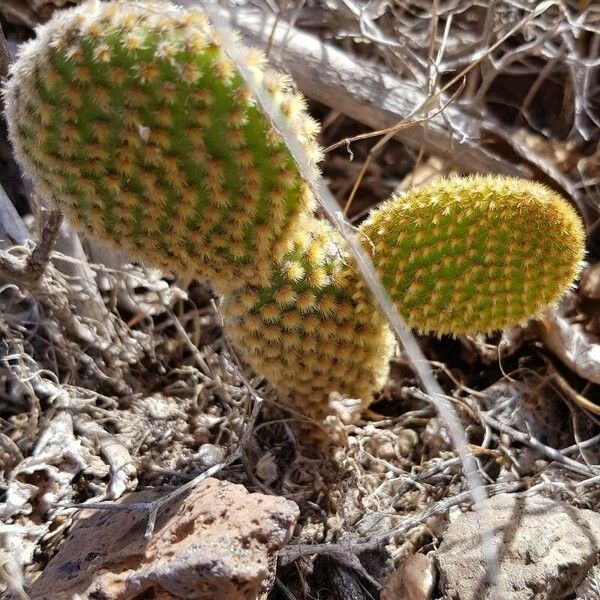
[
  {"x": 475, "y": 254},
  {"x": 131, "y": 116},
  {"x": 305, "y": 332}
]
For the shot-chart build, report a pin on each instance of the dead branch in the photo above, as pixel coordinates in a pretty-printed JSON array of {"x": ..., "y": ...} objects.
[
  {"x": 152, "y": 508},
  {"x": 28, "y": 271},
  {"x": 64, "y": 284},
  {"x": 369, "y": 94},
  {"x": 528, "y": 440},
  {"x": 123, "y": 474},
  {"x": 34, "y": 274},
  {"x": 575, "y": 347},
  {"x": 344, "y": 550}
]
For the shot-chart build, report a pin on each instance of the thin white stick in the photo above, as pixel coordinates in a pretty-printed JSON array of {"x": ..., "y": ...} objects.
[{"x": 365, "y": 266}]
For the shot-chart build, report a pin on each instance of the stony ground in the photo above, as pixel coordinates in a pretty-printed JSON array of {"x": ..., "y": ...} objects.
[{"x": 157, "y": 401}]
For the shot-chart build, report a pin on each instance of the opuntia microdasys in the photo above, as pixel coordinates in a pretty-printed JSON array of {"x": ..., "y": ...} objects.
[
  {"x": 474, "y": 254},
  {"x": 132, "y": 117}
]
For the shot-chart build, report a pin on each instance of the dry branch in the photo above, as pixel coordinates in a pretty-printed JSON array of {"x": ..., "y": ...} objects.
[
  {"x": 28, "y": 271},
  {"x": 123, "y": 474},
  {"x": 572, "y": 344},
  {"x": 369, "y": 94},
  {"x": 349, "y": 548},
  {"x": 35, "y": 275}
]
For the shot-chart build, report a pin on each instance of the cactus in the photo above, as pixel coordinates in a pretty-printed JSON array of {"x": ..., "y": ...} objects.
[
  {"x": 458, "y": 256},
  {"x": 131, "y": 116},
  {"x": 474, "y": 254},
  {"x": 305, "y": 331}
]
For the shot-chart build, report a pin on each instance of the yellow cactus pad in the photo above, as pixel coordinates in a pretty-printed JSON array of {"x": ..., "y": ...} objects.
[
  {"x": 132, "y": 117},
  {"x": 305, "y": 332},
  {"x": 475, "y": 254}
]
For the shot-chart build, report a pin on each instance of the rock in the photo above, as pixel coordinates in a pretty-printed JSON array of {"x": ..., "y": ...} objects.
[
  {"x": 545, "y": 548},
  {"x": 414, "y": 579},
  {"x": 219, "y": 541}
]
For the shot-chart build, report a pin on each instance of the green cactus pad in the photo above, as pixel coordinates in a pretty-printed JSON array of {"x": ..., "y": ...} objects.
[
  {"x": 474, "y": 254},
  {"x": 305, "y": 332},
  {"x": 131, "y": 116}
]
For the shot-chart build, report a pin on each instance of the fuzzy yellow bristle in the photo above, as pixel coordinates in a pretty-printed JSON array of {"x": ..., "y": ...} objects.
[
  {"x": 315, "y": 326},
  {"x": 293, "y": 271},
  {"x": 472, "y": 234}
]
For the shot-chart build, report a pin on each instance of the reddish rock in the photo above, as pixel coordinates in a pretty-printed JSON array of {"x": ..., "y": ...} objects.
[{"x": 219, "y": 541}]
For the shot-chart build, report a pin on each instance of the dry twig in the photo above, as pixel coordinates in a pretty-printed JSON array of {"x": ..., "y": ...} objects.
[
  {"x": 369, "y": 94},
  {"x": 152, "y": 508}
]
